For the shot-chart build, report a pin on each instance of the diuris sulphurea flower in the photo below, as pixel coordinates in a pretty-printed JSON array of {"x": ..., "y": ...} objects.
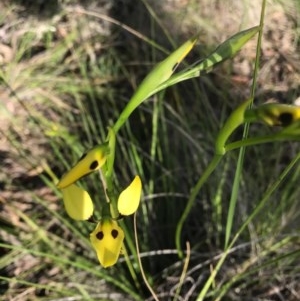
[
  {"x": 91, "y": 161},
  {"x": 274, "y": 114},
  {"x": 107, "y": 238}
]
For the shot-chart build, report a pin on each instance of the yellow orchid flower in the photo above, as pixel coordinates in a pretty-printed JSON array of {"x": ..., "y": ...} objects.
[
  {"x": 89, "y": 162},
  {"x": 107, "y": 240},
  {"x": 277, "y": 114},
  {"x": 78, "y": 202},
  {"x": 130, "y": 197}
]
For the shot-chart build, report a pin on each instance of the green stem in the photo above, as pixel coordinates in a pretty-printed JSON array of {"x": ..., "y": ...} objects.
[
  {"x": 237, "y": 176},
  {"x": 234, "y": 121},
  {"x": 233, "y": 199},
  {"x": 111, "y": 138},
  {"x": 260, "y": 140},
  {"x": 106, "y": 211},
  {"x": 208, "y": 171}
]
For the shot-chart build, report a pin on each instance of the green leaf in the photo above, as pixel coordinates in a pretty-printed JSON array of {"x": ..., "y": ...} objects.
[{"x": 157, "y": 76}]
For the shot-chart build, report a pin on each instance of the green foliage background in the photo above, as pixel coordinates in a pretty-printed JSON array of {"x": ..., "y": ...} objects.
[{"x": 70, "y": 76}]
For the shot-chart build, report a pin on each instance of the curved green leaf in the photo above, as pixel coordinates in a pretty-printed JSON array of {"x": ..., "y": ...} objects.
[{"x": 223, "y": 52}]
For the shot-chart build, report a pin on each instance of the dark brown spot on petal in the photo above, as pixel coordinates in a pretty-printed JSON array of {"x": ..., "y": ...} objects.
[
  {"x": 100, "y": 235},
  {"x": 114, "y": 233},
  {"x": 285, "y": 119},
  {"x": 94, "y": 165}
]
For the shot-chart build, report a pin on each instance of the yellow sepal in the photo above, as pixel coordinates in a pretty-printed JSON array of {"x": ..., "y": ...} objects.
[
  {"x": 89, "y": 162},
  {"x": 78, "y": 203},
  {"x": 130, "y": 197},
  {"x": 107, "y": 240}
]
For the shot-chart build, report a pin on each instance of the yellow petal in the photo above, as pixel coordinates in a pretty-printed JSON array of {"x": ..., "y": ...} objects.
[
  {"x": 78, "y": 203},
  {"x": 129, "y": 198},
  {"x": 89, "y": 162},
  {"x": 107, "y": 240}
]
